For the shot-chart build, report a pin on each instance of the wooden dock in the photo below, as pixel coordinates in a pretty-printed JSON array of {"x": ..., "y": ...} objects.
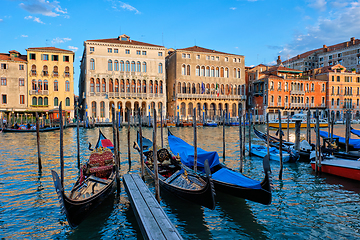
[{"x": 152, "y": 220}]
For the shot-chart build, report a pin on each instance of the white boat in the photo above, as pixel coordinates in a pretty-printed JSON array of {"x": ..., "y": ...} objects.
[{"x": 261, "y": 151}]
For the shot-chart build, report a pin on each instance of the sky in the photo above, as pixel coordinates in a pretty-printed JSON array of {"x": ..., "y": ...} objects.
[{"x": 260, "y": 30}]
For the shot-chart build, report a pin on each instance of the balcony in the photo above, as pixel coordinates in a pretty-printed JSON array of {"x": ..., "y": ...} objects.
[
  {"x": 126, "y": 95},
  {"x": 297, "y": 92},
  {"x": 33, "y": 73},
  {"x": 211, "y": 96},
  {"x": 55, "y": 74},
  {"x": 39, "y": 92},
  {"x": 44, "y": 73},
  {"x": 66, "y": 74},
  {"x": 297, "y": 105}
]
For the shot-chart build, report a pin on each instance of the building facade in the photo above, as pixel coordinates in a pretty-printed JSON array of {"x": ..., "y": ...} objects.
[
  {"x": 122, "y": 72},
  {"x": 343, "y": 90},
  {"x": 13, "y": 88},
  {"x": 346, "y": 53},
  {"x": 50, "y": 79},
  {"x": 286, "y": 90},
  {"x": 209, "y": 80}
]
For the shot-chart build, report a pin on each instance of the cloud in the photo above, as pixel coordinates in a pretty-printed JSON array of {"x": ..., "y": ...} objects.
[
  {"x": 338, "y": 26},
  {"x": 233, "y": 8},
  {"x": 1, "y": 20},
  {"x": 73, "y": 48},
  {"x": 43, "y": 7},
  {"x": 318, "y": 4},
  {"x": 118, "y": 4},
  {"x": 274, "y": 47},
  {"x": 59, "y": 40},
  {"x": 35, "y": 19},
  {"x": 24, "y": 35}
]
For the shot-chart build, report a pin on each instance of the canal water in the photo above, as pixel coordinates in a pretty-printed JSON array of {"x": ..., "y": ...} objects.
[{"x": 304, "y": 206}]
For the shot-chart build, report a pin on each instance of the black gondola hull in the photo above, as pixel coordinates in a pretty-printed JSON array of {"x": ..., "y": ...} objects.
[{"x": 30, "y": 130}]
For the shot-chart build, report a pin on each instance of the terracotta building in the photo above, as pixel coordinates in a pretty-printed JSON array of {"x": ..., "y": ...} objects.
[
  {"x": 13, "y": 88},
  {"x": 122, "y": 72},
  {"x": 209, "y": 80}
]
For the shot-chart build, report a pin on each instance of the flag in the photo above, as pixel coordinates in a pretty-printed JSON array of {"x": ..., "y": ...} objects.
[
  {"x": 217, "y": 89},
  {"x": 202, "y": 88}
]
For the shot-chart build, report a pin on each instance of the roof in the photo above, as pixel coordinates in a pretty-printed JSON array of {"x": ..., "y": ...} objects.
[
  {"x": 204, "y": 50},
  {"x": 7, "y": 57},
  {"x": 282, "y": 69},
  {"x": 127, "y": 42},
  {"x": 48, "y": 49}
]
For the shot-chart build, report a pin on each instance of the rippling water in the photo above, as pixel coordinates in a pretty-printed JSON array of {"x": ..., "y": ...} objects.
[{"x": 304, "y": 206}]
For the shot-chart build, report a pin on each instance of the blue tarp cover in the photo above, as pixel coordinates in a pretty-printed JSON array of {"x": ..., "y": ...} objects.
[
  {"x": 186, "y": 153},
  {"x": 356, "y": 132},
  {"x": 354, "y": 142},
  {"x": 229, "y": 176}
]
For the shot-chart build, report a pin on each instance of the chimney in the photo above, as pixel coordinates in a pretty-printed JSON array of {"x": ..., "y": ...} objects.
[
  {"x": 278, "y": 61},
  {"x": 352, "y": 40},
  {"x": 298, "y": 56},
  {"x": 12, "y": 57},
  {"x": 257, "y": 75}
]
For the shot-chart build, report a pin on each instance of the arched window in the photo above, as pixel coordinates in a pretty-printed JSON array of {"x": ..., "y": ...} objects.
[
  {"x": 102, "y": 109},
  {"x": 67, "y": 102},
  {"x": 110, "y": 68},
  {"x": 56, "y": 86},
  {"x": 116, "y": 85},
  {"x": 39, "y": 84},
  {"x": 67, "y": 72},
  {"x": 226, "y": 72},
  {"x": 217, "y": 72},
  {"x": 97, "y": 85},
  {"x": 138, "y": 64},
  {"x": 133, "y": 66},
  {"x": 144, "y": 86},
  {"x": 67, "y": 86},
  {"x": 127, "y": 66},
  {"x": 33, "y": 70},
  {"x": 183, "y": 69},
  {"x": 161, "y": 87},
  {"x": 207, "y": 71},
  {"x": 184, "y": 88},
  {"x": 156, "y": 87},
  {"x": 103, "y": 85},
  {"x": 111, "y": 85},
  {"x": 160, "y": 68},
  {"x": 221, "y": 72},
  {"x": 138, "y": 86},
  {"x": 56, "y": 71},
  {"x": 46, "y": 101},
  {"x": 46, "y": 85},
  {"x": 144, "y": 67},
  {"x": 133, "y": 86},
  {"x": 121, "y": 66},
  {"x": 56, "y": 102},
  {"x": 92, "y": 85},
  {"x": 193, "y": 89},
  {"x": 179, "y": 88},
  {"x": 45, "y": 71},
  {"x": 197, "y": 71},
  {"x": 151, "y": 86},
  {"x": 93, "y": 109},
  {"x": 203, "y": 71},
  {"x": 116, "y": 65},
  {"x": 92, "y": 64},
  {"x": 127, "y": 85},
  {"x": 34, "y": 101},
  {"x": 188, "y": 70},
  {"x": 33, "y": 85}
]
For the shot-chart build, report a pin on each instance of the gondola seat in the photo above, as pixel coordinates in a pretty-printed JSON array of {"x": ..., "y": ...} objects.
[{"x": 101, "y": 164}]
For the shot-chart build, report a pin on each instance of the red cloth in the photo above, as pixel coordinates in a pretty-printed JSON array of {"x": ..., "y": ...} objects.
[{"x": 106, "y": 143}]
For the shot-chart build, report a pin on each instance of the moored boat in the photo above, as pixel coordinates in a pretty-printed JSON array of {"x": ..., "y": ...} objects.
[
  {"x": 300, "y": 116},
  {"x": 210, "y": 123},
  {"x": 261, "y": 151},
  {"x": 18, "y": 130}
]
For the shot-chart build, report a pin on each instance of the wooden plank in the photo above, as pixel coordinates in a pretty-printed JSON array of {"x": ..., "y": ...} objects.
[{"x": 153, "y": 221}]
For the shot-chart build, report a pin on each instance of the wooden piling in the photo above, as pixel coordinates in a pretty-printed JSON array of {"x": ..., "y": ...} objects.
[
  {"x": 195, "y": 141},
  {"x": 161, "y": 129},
  {"x": 115, "y": 147},
  {"x": 117, "y": 118},
  {"x": 297, "y": 134},
  {"x": 317, "y": 145},
  {"x": 224, "y": 135},
  {"x": 250, "y": 126},
  {"x": 128, "y": 141},
  {"x": 268, "y": 135},
  {"x": 280, "y": 146},
  {"x": 240, "y": 140},
  {"x": 347, "y": 123},
  {"x": 288, "y": 128},
  {"x": 38, "y": 141},
  {"x": 332, "y": 126},
  {"x": 308, "y": 127},
  {"x": 78, "y": 134},
  {"x": 141, "y": 147},
  {"x": 156, "y": 171},
  {"x": 61, "y": 145},
  {"x": 329, "y": 123}
]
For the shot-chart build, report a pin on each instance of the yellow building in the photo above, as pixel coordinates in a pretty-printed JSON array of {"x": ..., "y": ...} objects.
[
  {"x": 50, "y": 79},
  {"x": 209, "y": 80}
]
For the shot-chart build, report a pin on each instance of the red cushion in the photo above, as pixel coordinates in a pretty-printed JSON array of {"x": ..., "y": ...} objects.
[{"x": 106, "y": 143}]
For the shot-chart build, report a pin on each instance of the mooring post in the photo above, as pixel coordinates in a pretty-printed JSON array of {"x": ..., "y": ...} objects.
[
  {"x": 329, "y": 123},
  {"x": 128, "y": 140},
  {"x": 61, "y": 145},
  {"x": 117, "y": 119},
  {"x": 250, "y": 126},
  {"x": 195, "y": 141},
  {"x": 38, "y": 141},
  {"x": 224, "y": 135},
  {"x": 308, "y": 127},
  {"x": 115, "y": 147},
  {"x": 141, "y": 146},
  {"x": 78, "y": 134},
  {"x": 297, "y": 134},
  {"x": 347, "y": 126},
  {"x": 318, "y": 151},
  {"x": 280, "y": 146},
  {"x": 156, "y": 171},
  {"x": 332, "y": 126},
  {"x": 161, "y": 128},
  {"x": 240, "y": 139},
  {"x": 267, "y": 135},
  {"x": 244, "y": 133},
  {"x": 288, "y": 127}
]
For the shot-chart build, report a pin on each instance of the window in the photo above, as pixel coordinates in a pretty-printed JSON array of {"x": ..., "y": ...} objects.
[
  {"x": 3, "y": 66},
  {"x": 159, "y": 54},
  {"x": 46, "y": 85},
  {"x": 91, "y": 49},
  {"x": 121, "y": 65},
  {"x": 226, "y": 59},
  {"x": 138, "y": 66},
  {"x": 160, "y": 68},
  {"x": 21, "y": 82},
  {"x": 55, "y": 58},
  {"x": 45, "y": 71},
  {"x": 127, "y": 51},
  {"x": 3, "y": 81},
  {"x": 32, "y": 56},
  {"x": 67, "y": 86},
  {"x": 110, "y": 65},
  {"x": 4, "y": 99},
  {"x": 183, "y": 55},
  {"x": 197, "y": 56},
  {"x": 116, "y": 50},
  {"x": 40, "y": 101},
  {"x": 21, "y": 67},
  {"x": 109, "y": 50},
  {"x": 46, "y": 101},
  {"x": 67, "y": 102},
  {"x": 339, "y": 54},
  {"x": 127, "y": 66},
  {"x": 56, "y": 86},
  {"x": 212, "y": 58},
  {"x": 138, "y": 52},
  {"x": 56, "y": 102},
  {"x": 330, "y": 57},
  {"x": 133, "y": 66},
  {"x": 188, "y": 55},
  {"x": 34, "y": 101},
  {"x": 144, "y": 66},
  {"x": 116, "y": 65},
  {"x": 22, "y": 99},
  {"x": 338, "y": 78},
  {"x": 66, "y": 58},
  {"x": 143, "y": 52},
  {"x": 321, "y": 59},
  {"x": 45, "y": 57}
]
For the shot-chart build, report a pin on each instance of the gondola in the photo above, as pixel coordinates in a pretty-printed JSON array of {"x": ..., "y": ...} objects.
[
  {"x": 356, "y": 132},
  {"x": 95, "y": 184},
  {"x": 261, "y": 151},
  {"x": 354, "y": 144},
  {"x": 48, "y": 129},
  {"x": 305, "y": 148},
  {"x": 176, "y": 178},
  {"x": 225, "y": 179}
]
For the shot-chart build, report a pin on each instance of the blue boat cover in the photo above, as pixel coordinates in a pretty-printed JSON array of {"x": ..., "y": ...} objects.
[
  {"x": 186, "y": 153},
  {"x": 229, "y": 176},
  {"x": 356, "y": 132},
  {"x": 354, "y": 142}
]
